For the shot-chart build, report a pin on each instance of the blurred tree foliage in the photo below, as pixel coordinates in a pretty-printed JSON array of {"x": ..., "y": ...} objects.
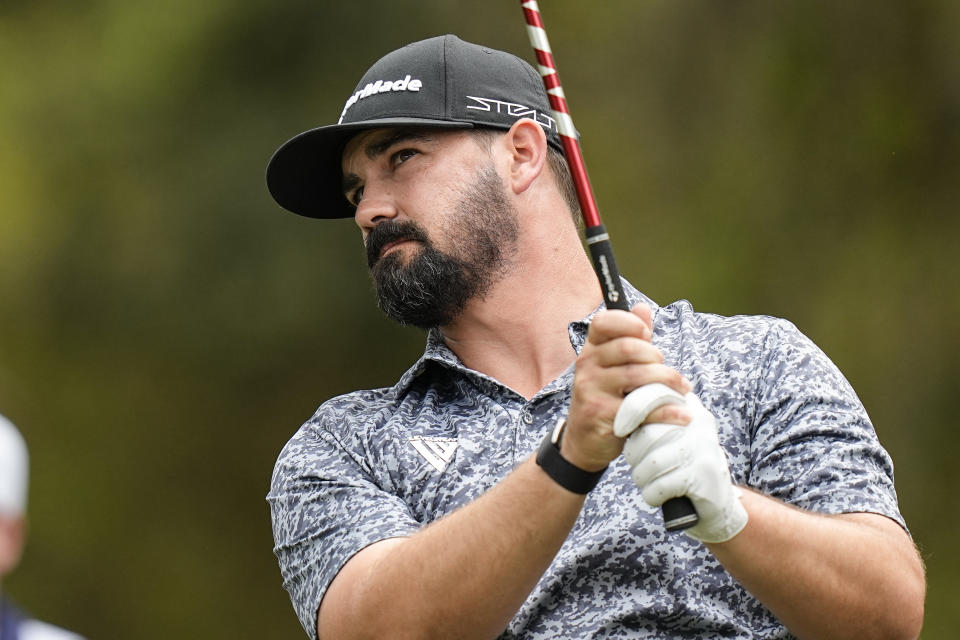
[{"x": 166, "y": 327}]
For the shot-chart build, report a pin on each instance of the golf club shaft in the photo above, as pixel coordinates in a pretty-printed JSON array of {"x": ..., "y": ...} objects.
[{"x": 678, "y": 513}]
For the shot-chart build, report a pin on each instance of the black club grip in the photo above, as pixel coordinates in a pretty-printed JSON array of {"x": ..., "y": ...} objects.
[
  {"x": 605, "y": 266},
  {"x": 679, "y": 514}
]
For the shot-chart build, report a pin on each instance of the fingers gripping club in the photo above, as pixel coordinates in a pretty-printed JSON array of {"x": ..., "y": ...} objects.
[
  {"x": 643, "y": 401},
  {"x": 678, "y": 513},
  {"x": 670, "y": 460}
]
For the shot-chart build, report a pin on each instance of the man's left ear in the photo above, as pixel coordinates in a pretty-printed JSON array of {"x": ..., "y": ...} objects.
[{"x": 527, "y": 144}]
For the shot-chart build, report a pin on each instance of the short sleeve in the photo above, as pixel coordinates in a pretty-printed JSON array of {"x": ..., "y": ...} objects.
[
  {"x": 325, "y": 507},
  {"x": 813, "y": 443}
]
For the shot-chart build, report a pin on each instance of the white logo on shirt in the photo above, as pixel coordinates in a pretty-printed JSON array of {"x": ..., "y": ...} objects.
[{"x": 437, "y": 451}]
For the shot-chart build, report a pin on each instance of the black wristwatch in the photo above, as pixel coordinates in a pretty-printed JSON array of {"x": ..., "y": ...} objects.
[{"x": 568, "y": 476}]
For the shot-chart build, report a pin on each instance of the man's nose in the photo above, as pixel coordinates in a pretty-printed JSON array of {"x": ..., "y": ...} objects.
[{"x": 376, "y": 206}]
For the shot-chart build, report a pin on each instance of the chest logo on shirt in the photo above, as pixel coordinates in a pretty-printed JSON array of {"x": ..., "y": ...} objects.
[{"x": 437, "y": 451}]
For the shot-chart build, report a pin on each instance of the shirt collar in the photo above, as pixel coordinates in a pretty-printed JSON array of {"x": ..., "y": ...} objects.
[
  {"x": 438, "y": 353},
  {"x": 578, "y": 329}
]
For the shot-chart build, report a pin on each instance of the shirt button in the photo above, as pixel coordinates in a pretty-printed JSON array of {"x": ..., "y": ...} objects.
[{"x": 527, "y": 418}]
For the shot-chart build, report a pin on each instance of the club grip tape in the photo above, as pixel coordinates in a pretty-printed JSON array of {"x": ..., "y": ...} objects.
[
  {"x": 605, "y": 266},
  {"x": 679, "y": 514}
]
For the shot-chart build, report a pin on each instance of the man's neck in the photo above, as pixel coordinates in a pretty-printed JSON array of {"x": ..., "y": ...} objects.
[{"x": 518, "y": 333}]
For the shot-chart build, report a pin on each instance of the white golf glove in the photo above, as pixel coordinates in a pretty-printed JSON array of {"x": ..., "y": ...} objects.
[{"x": 669, "y": 461}]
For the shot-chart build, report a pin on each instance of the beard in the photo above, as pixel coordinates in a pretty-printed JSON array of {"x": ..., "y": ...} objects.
[{"x": 436, "y": 286}]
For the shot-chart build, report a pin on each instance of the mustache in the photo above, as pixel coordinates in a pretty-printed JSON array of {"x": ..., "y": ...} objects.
[{"x": 390, "y": 231}]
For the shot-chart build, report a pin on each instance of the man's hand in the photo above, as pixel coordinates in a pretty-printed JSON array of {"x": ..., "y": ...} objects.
[
  {"x": 617, "y": 358},
  {"x": 669, "y": 461}
]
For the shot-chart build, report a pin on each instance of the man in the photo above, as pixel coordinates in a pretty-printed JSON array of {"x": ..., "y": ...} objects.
[
  {"x": 437, "y": 508},
  {"x": 14, "y": 625}
]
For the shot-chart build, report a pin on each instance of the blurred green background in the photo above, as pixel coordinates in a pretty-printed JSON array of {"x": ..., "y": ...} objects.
[{"x": 165, "y": 327}]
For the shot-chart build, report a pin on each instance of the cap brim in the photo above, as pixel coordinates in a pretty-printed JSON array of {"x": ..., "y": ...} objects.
[{"x": 304, "y": 174}]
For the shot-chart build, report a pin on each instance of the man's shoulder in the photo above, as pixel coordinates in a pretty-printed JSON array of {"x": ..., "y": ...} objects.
[
  {"x": 680, "y": 318},
  {"x": 333, "y": 428},
  {"x": 347, "y": 413},
  {"x": 742, "y": 349},
  {"x": 362, "y": 401},
  {"x": 37, "y": 630}
]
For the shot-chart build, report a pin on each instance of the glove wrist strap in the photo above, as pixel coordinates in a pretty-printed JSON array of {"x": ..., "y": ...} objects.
[{"x": 567, "y": 475}]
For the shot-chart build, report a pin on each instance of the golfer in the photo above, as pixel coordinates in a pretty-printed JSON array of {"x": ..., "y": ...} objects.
[
  {"x": 15, "y": 624},
  {"x": 486, "y": 494}
]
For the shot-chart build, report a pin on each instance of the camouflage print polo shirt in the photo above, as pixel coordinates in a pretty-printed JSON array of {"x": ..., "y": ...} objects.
[{"x": 382, "y": 463}]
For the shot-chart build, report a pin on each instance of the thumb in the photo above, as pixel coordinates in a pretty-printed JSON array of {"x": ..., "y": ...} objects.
[{"x": 642, "y": 311}]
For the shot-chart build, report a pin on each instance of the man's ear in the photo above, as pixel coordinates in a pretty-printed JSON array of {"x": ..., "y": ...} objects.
[{"x": 527, "y": 146}]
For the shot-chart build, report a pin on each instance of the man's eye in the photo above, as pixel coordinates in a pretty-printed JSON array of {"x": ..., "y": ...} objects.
[
  {"x": 402, "y": 156},
  {"x": 356, "y": 196}
]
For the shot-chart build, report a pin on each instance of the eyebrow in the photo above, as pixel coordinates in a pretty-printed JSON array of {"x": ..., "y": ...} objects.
[{"x": 378, "y": 147}]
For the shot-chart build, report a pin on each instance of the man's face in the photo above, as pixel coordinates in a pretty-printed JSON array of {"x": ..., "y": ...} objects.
[
  {"x": 11, "y": 542},
  {"x": 438, "y": 226}
]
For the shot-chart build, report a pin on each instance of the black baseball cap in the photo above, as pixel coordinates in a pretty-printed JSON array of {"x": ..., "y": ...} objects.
[{"x": 439, "y": 82}]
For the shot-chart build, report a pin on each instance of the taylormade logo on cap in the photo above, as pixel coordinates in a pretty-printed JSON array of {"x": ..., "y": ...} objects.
[{"x": 380, "y": 86}]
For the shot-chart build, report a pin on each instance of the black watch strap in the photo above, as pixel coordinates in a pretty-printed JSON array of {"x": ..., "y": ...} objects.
[{"x": 568, "y": 476}]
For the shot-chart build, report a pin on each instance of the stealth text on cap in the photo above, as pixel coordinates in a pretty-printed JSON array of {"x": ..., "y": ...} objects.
[
  {"x": 513, "y": 110},
  {"x": 380, "y": 86}
]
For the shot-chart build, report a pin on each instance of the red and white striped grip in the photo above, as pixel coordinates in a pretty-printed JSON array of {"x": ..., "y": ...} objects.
[{"x": 558, "y": 102}]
